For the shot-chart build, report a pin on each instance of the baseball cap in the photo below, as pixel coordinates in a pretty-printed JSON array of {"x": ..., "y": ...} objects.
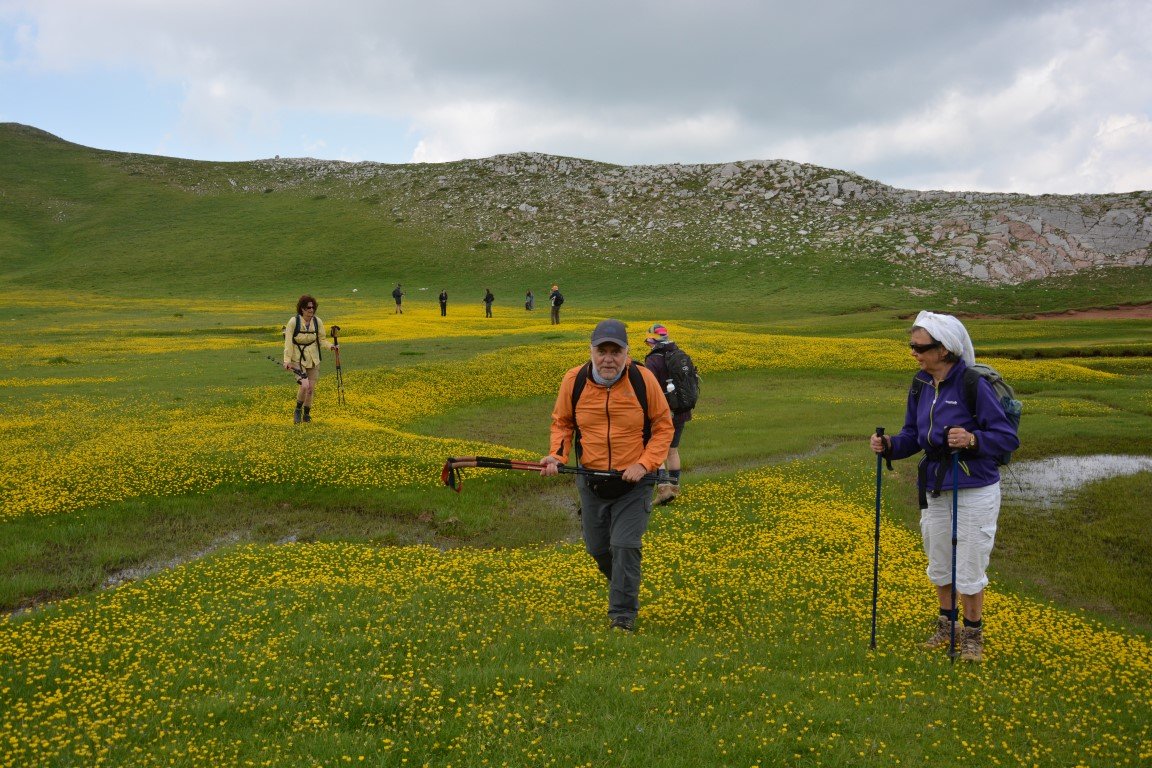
[
  {"x": 610, "y": 331},
  {"x": 658, "y": 331}
]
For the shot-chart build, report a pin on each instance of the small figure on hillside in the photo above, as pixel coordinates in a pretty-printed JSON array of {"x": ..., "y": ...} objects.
[
  {"x": 606, "y": 430},
  {"x": 303, "y": 337},
  {"x": 674, "y": 369},
  {"x": 444, "y": 302},
  {"x": 398, "y": 294},
  {"x": 529, "y": 301},
  {"x": 555, "y": 299},
  {"x": 488, "y": 299},
  {"x": 940, "y": 421}
]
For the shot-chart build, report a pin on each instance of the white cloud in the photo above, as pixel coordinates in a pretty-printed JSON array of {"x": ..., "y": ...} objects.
[
  {"x": 469, "y": 129},
  {"x": 997, "y": 96}
]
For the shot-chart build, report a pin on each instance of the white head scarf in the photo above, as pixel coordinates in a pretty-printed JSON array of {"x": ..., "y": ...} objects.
[{"x": 950, "y": 332}]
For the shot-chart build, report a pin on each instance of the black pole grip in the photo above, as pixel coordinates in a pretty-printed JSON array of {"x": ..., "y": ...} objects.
[{"x": 880, "y": 434}]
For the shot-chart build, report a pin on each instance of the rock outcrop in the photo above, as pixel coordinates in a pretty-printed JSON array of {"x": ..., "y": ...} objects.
[{"x": 544, "y": 206}]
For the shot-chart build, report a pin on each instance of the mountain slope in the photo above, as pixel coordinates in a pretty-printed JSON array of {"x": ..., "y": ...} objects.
[{"x": 79, "y": 219}]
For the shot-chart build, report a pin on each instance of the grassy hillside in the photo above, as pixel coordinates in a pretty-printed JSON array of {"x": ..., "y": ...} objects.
[
  {"x": 188, "y": 579},
  {"x": 82, "y": 220}
]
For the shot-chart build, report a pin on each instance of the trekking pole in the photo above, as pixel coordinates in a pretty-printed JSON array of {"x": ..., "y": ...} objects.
[
  {"x": 876, "y": 550},
  {"x": 298, "y": 373},
  {"x": 451, "y": 477},
  {"x": 955, "y": 515},
  {"x": 339, "y": 373}
]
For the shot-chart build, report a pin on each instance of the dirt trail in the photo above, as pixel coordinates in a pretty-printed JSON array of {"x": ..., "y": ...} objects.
[{"x": 1139, "y": 312}]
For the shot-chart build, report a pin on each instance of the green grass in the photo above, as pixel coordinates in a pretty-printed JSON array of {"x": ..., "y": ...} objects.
[{"x": 318, "y": 618}]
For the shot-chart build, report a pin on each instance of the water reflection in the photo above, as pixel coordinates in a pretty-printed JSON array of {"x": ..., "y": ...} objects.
[{"x": 1045, "y": 481}]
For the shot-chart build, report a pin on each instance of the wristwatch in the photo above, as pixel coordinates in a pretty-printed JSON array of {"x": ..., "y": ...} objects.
[{"x": 971, "y": 441}]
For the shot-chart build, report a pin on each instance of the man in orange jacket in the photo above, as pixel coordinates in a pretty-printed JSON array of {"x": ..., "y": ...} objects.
[{"x": 613, "y": 412}]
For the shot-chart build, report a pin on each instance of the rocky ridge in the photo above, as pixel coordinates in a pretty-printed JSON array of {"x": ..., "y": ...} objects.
[{"x": 541, "y": 206}]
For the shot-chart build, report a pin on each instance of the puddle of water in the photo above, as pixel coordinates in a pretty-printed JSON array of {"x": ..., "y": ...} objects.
[{"x": 1045, "y": 481}]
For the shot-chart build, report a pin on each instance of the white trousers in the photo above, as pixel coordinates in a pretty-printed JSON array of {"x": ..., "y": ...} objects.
[{"x": 977, "y": 512}]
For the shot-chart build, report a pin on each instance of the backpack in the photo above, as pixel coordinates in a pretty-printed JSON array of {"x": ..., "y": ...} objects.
[
  {"x": 559, "y": 299},
  {"x": 1012, "y": 407},
  {"x": 972, "y": 375},
  {"x": 302, "y": 347},
  {"x": 682, "y": 387}
]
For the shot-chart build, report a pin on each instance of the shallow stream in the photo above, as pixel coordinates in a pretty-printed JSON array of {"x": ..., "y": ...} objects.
[{"x": 1045, "y": 481}]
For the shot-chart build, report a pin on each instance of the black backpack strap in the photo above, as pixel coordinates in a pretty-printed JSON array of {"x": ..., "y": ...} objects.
[
  {"x": 971, "y": 383},
  {"x": 916, "y": 388},
  {"x": 578, "y": 388},
  {"x": 637, "y": 380},
  {"x": 300, "y": 348}
]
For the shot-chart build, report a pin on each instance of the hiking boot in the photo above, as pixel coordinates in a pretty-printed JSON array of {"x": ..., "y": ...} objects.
[
  {"x": 666, "y": 493},
  {"x": 307, "y": 416},
  {"x": 942, "y": 637},
  {"x": 972, "y": 643},
  {"x": 623, "y": 623},
  {"x": 297, "y": 417}
]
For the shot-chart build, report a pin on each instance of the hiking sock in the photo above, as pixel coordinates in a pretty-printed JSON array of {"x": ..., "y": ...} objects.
[
  {"x": 951, "y": 615},
  {"x": 674, "y": 474},
  {"x": 978, "y": 624}
]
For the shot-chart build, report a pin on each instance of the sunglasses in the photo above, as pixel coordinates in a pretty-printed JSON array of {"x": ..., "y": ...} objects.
[
  {"x": 309, "y": 306},
  {"x": 922, "y": 348}
]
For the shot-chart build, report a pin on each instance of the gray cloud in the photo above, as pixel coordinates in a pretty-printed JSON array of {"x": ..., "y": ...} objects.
[{"x": 1026, "y": 95}]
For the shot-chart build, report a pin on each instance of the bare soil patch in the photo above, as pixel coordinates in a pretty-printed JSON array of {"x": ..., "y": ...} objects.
[
  {"x": 1128, "y": 312},
  {"x": 1135, "y": 312}
]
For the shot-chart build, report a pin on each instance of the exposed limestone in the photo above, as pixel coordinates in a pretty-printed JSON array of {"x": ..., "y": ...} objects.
[{"x": 538, "y": 205}]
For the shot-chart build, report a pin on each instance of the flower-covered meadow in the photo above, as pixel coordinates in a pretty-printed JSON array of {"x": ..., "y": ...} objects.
[
  {"x": 753, "y": 642},
  {"x": 75, "y": 451},
  {"x": 753, "y": 651}
]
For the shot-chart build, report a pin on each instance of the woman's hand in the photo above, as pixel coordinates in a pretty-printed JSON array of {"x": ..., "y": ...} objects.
[
  {"x": 878, "y": 443},
  {"x": 958, "y": 438}
]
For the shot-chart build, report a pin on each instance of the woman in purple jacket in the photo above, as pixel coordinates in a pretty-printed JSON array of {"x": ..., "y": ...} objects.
[{"x": 938, "y": 422}]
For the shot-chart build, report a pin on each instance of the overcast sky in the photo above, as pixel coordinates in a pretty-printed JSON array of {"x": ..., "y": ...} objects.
[{"x": 995, "y": 95}]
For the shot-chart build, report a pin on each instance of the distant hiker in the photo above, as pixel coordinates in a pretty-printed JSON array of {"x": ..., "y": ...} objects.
[
  {"x": 529, "y": 301},
  {"x": 398, "y": 295},
  {"x": 671, "y": 367},
  {"x": 444, "y": 303},
  {"x": 938, "y": 421},
  {"x": 555, "y": 299},
  {"x": 611, "y": 414},
  {"x": 488, "y": 299},
  {"x": 303, "y": 336}
]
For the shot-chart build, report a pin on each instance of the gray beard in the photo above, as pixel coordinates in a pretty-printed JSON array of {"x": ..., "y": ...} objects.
[{"x": 596, "y": 377}]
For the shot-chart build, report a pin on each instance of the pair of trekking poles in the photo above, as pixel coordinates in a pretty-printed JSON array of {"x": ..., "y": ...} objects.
[
  {"x": 301, "y": 374},
  {"x": 451, "y": 476},
  {"x": 955, "y": 537}
]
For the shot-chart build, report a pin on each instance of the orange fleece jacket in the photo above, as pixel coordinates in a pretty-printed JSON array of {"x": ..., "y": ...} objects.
[{"x": 611, "y": 423}]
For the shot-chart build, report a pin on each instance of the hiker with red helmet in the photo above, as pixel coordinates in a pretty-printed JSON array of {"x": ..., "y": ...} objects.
[{"x": 667, "y": 362}]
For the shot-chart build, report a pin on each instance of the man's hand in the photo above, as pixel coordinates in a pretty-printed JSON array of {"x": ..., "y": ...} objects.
[
  {"x": 551, "y": 466},
  {"x": 635, "y": 473}
]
